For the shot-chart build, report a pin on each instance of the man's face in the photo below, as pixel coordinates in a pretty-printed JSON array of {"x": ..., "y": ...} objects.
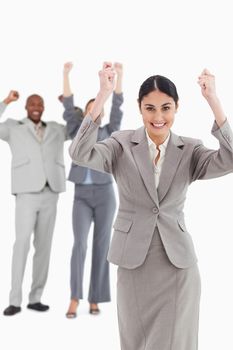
[{"x": 35, "y": 108}]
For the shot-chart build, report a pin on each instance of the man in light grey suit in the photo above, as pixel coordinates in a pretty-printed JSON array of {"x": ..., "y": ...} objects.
[
  {"x": 158, "y": 289},
  {"x": 38, "y": 175}
]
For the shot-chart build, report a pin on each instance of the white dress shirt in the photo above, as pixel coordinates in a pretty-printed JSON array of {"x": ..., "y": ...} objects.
[
  {"x": 39, "y": 128},
  {"x": 153, "y": 155}
]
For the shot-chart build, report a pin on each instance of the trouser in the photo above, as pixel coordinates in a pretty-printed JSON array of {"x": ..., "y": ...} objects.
[
  {"x": 92, "y": 203},
  {"x": 34, "y": 212}
]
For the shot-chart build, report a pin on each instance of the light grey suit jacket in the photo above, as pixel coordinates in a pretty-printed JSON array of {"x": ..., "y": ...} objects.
[
  {"x": 34, "y": 162},
  {"x": 126, "y": 155}
]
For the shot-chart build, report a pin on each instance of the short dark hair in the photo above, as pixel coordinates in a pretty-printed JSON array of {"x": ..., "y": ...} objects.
[
  {"x": 87, "y": 104},
  {"x": 158, "y": 82},
  {"x": 32, "y": 96}
]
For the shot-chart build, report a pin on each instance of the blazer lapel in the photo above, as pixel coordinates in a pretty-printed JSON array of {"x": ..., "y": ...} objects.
[
  {"x": 142, "y": 158},
  {"x": 46, "y": 130},
  {"x": 29, "y": 126},
  {"x": 172, "y": 159}
]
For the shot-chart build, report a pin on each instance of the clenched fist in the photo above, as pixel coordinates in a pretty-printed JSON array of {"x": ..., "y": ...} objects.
[{"x": 12, "y": 96}]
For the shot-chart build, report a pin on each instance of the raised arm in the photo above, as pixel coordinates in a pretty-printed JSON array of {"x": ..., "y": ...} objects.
[
  {"x": 116, "y": 113},
  {"x": 12, "y": 97},
  {"x": 207, "y": 83},
  {"x": 4, "y": 127},
  {"x": 72, "y": 115},
  {"x": 107, "y": 82},
  {"x": 207, "y": 163},
  {"x": 118, "y": 67},
  {"x": 66, "y": 79},
  {"x": 84, "y": 149}
]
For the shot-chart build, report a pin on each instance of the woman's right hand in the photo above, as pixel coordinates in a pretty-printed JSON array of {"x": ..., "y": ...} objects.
[
  {"x": 107, "y": 82},
  {"x": 107, "y": 79}
]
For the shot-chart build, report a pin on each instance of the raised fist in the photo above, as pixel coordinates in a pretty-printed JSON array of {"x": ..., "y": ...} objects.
[
  {"x": 207, "y": 83},
  {"x": 106, "y": 76},
  {"x": 67, "y": 67},
  {"x": 12, "y": 96}
]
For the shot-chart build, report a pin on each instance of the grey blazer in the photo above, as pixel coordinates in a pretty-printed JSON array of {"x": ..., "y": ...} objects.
[
  {"x": 34, "y": 162},
  {"x": 74, "y": 117},
  {"x": 142, "y": 208}
]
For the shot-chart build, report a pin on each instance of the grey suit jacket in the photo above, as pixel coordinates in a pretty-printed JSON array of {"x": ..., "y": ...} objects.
[
  {"x": 34, "y": 162},
  {"x": 142, "y": 208},
  {"x": 74, "y": 117}
]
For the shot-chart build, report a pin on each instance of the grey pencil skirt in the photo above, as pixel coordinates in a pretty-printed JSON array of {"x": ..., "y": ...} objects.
[{"x": 158, "y": 304}]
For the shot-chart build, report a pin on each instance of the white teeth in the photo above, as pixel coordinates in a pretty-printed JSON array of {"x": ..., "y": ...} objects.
[
  {"x": 158, "y": 125},
  {"x": 35, "y": 113}
]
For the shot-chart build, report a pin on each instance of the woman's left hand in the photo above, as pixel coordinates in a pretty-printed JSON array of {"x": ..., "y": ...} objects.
[{"x": 207, "y": 83}]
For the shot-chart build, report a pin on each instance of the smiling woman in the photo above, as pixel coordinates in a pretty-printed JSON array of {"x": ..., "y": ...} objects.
[
  {"x": 158, "y": 103},
  {"x": 158, "y": 289},
  {"x": 172, "y": 38}
]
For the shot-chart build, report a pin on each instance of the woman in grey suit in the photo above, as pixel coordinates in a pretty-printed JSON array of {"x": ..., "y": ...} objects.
[
  {"x": 158, "y": 288},
  {"x": 94, "y": 201}
]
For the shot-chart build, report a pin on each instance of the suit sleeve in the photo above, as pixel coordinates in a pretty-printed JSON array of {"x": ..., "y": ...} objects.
[
  {"x": 72, "y": 115},
  {"x": 207, "y": 163},
  {"x": 86, "y": 151},
  {"x": 4, "y": 127},
  {"x": 115, "y": 114}
]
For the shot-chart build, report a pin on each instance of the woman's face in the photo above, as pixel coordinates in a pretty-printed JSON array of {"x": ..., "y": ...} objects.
[{"x": 158, "y": 114}]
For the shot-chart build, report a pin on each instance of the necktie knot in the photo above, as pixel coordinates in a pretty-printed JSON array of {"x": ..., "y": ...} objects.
[{"x": 39, "y": 131}]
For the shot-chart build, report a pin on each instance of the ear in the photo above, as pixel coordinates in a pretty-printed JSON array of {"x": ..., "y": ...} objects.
[{"x": 177, "y": 106}]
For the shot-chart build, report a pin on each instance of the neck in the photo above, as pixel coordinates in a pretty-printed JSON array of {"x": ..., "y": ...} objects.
[
  {"x": 158, "y": 140},
  {"x": 34, "y": 121}
]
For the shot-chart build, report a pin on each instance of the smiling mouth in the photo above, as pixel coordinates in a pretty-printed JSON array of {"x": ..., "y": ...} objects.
[
  {"x": 36, "y": 114},
  {"x": 158, "y": 125}
]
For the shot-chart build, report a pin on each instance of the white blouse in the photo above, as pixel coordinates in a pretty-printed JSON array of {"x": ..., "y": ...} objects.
[{"x": 153, "y": 155}]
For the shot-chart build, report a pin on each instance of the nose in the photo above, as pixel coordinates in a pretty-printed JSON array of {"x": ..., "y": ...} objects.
[{"x": 158, "y": 115}]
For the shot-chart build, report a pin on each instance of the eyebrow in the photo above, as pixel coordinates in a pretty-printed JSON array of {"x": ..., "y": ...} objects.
[{"x": 165, "y": 104}]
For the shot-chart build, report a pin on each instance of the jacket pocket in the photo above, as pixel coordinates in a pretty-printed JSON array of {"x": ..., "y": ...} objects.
[
  {"x": 16, "y": 163},
  {"x": 122, "y": 224}
]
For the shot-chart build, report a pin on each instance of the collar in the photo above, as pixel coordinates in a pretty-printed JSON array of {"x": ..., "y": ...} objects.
[
  {"x": 30, "y": 122},
  {"x": 162, "y": 147}
]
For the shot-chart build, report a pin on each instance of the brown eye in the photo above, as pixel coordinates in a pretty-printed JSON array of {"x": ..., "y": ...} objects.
[{"x": 150, "y": 109}]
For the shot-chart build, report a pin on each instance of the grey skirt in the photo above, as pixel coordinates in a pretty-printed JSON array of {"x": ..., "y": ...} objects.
[{"x": 158, "y": 303}]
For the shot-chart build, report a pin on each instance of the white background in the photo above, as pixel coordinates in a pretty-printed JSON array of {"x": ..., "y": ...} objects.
[{"x": 173, "y": 38}]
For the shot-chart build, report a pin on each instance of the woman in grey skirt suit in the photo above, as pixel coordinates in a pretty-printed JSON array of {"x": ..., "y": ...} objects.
[{"x": 158, "y": 288}]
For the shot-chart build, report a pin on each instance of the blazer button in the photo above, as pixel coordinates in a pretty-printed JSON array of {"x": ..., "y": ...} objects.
[{"x": 155, "y": 210}]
